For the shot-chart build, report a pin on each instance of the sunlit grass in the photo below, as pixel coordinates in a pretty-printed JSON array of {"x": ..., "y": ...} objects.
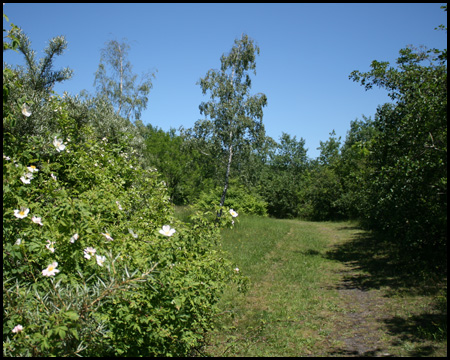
[
  {"x": 183, "y": 213},
  {"x": 283, "y": 260},
  {"x": 293, "y": 306}
]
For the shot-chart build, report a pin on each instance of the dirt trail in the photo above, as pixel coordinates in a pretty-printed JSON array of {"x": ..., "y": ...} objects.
[
  {"x": 360, "y": 324},
  {"x": 359, "y": 302},
  {"x": 367, "y": 312},
  {"x": 358, "y": 318}
]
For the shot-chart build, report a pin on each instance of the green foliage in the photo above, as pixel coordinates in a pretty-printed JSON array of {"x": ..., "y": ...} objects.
[
  {"x": 238, "y": 199},
  {"x": 178, "y": 164},
  {"x": 40, "y": 75},
  {"x": 14, "y": 41},
  {"x": 354, "y": 165},
  {"x": 405, "y": 191},
  {"x": 98, "y": 113},
  {"x": 35, "y": 82},
  {"x": 329, "y": 150},
  {"x": 153, "y": 296},
  {"x": 280, "y": 182},
  {"x": 320, "y": 194},
  {"x": 290, "y": 155},
  {"x": 280, "y": 191},
  {"x": 332, "y": 188},
  {"x": 236, "y": 117},
  {"x": 86, "y": 269},
  {"x": 119, "y": 84}
]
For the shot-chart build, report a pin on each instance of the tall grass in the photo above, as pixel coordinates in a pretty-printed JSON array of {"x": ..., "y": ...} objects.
[
  {"x": 296, "y": 305},
  {"x": 283, "y": 260}
]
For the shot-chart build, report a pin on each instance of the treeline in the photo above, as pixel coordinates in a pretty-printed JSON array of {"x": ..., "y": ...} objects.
[{"x": 390, "y": 172}]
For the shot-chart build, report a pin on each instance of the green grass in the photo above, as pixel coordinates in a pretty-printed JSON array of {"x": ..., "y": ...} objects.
[
  {"x": 284, "y": 261},
  {"x": 183, "y": 213},
  {"x": 304, "y": 277}
]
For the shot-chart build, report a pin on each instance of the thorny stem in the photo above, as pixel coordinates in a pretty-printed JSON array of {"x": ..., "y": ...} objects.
[{"x": 109, "y": 290}]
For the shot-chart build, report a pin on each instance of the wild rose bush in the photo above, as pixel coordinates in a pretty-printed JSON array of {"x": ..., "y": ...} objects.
[{"x": 94, "y": 263}]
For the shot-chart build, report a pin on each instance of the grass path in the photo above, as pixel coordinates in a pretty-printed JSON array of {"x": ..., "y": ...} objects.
[{"x": 323, "y": 289}]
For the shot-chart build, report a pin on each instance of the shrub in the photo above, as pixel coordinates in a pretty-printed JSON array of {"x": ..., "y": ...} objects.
[
  {"x": 237, "y": 198},
  {"x": 322, "y": 197},
  {"x": 280, "y": 190},
  {"x": 86, "y": 269}
]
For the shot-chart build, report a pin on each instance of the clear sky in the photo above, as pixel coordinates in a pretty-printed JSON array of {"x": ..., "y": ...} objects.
[{"x": 307, "y": 54}]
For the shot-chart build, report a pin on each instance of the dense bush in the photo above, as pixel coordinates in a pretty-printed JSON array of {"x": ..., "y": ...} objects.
[
  {"x": 405, "y": 192},
  {"x": 177, "y": 163},
  {"x": 282, "y": 177},
  {"x": 320, "y": 195},
  {"x": 88, "y": 266},
  {"x": 238, "y": 198},
  {"x": 94, "y": 263},
  {"x": 280, "y": 192}
]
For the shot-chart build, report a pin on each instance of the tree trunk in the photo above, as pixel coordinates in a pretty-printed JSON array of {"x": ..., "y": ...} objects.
[
  {"x": 227, "y": 176},
  {"x": 121, "y": 81},
  {"x": 230, "y": 156}
]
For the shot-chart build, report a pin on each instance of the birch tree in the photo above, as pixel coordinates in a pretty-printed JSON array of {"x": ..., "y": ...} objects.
[
  {"x": 115, "y": 80},
  {"x": 235, "y": 115}
]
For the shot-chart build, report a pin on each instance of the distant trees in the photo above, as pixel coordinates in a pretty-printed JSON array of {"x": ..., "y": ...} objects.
[
  {"x": 115, "y": 80},
  {"x": 282, "y": 179},
  {"x": 354, "y": 165},
  {"x": 179, "y": 165}
]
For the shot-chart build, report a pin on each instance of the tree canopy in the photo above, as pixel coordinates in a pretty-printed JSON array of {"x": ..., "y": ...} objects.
[
  {"x": 115, "y": 80},
  {"x": 235, "y": 115}
]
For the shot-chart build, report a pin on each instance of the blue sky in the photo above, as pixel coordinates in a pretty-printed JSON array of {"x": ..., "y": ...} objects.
[{"x": 307, "y": 53}]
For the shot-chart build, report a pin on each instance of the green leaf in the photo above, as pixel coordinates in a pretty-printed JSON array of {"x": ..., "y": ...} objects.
[{"x": 72, "y": 315}]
